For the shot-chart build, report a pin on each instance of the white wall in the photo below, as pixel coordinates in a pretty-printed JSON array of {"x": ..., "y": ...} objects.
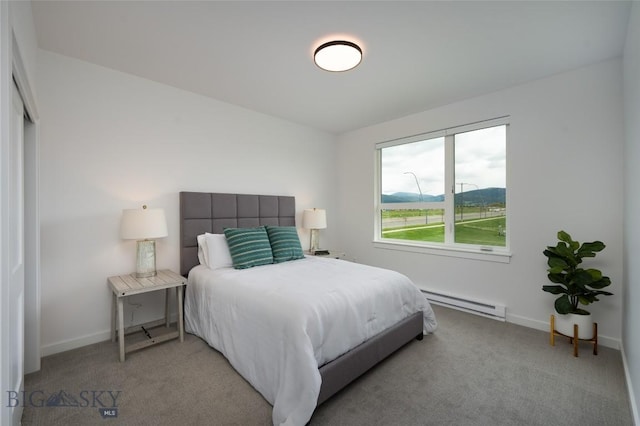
[
  {"x": 111, "y": 141},
  {"x": 564, "y": 158},
  {"x": 631, "y": 331}
]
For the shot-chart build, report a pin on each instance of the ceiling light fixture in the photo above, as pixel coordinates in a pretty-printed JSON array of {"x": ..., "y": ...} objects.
[{"x": 338, "y": 55}]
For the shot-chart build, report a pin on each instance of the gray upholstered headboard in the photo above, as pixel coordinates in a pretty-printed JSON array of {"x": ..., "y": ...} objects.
[{"x": 202, "y": 212}]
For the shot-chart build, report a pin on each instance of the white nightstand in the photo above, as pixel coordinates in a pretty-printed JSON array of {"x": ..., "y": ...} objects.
[
  {"x": 336, "y": 254},
  {"x": 127, "y": 285}
]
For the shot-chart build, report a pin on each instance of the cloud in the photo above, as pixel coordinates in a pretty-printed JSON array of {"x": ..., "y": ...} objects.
[{"x": 480, "y": 161}]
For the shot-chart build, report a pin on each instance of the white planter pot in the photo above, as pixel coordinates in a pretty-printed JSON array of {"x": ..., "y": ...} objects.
[{"x": 564, "y": 325}]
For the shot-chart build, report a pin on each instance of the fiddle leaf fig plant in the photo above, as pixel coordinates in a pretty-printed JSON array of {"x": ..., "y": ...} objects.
[{"x": 575, "y": 285}]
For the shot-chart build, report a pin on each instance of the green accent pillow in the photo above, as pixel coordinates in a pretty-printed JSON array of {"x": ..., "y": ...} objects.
[
  {"x": 249, "y": 247},
  {"x": 285, "y": 243}
]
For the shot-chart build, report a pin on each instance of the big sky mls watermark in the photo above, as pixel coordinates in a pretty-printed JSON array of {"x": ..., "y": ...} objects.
[{"x": 105, "y": 401}]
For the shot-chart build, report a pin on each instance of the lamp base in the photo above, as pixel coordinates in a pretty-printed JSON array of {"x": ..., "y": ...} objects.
[
  {"x": 314, "y": 241},
  {"x": 146, "y": 259}
]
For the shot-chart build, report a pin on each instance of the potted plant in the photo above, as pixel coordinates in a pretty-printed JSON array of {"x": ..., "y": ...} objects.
[{"x": 575, "y": 285}]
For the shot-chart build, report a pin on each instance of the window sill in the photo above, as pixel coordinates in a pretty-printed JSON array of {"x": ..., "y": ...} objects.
[{"x": 464, "y": 253}]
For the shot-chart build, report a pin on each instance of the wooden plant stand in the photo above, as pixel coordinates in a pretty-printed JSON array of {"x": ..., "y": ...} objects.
[{"x": 574, "y": 339}]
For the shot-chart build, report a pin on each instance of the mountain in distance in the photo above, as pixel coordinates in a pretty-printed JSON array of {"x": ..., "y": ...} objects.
[
  {"x": 409, "y": 197},
  {"x": 476, "y": 197}
]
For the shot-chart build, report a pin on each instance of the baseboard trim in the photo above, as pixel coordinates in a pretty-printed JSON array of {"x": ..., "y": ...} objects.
[
  {"x": 89, "y": 339},
  {"x": 78, "y": 342},
  {"x": 609, "y": 342},
  {"x": 632, "y": 397}
]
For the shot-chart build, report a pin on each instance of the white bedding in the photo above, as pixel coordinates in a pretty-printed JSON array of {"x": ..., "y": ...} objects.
[{"x": 277, "y": 323}]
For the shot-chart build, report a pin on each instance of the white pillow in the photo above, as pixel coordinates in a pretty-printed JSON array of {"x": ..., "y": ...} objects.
[
  {"x": 203, "y": 252},
  {"x": 219, "y": 255}
]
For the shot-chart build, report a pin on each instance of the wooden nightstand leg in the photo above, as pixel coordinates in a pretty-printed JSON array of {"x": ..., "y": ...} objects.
[
  {"x": 180, "y": 313},
  {"x": 113, "y": 317},
  {"x": 552, "y": 332},
  {"x": 121, "y": 327},
  {"x": 575, "y": 339},
  {"x": 167, "y": 294}
]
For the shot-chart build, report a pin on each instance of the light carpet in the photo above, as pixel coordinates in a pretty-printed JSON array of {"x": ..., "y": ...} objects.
[{"x": 471, "y": 371}]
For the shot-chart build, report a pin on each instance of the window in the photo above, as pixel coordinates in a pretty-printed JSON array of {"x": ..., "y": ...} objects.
[{"x": 445, "y": 189}]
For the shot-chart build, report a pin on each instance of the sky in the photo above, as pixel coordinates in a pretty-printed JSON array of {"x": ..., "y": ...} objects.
[{"x": 479, "y": 156}]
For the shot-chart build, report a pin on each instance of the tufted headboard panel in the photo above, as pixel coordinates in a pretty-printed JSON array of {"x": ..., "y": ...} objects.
[{"x": 202, "y": 212}]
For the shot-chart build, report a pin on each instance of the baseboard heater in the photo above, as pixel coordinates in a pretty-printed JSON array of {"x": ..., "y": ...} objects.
[{"x": 485, "y": 309}]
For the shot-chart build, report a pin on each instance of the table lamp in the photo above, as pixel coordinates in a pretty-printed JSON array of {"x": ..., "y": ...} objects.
[
  {"x": 314, "y": 219},
  {"x": 144, "y": 225}
]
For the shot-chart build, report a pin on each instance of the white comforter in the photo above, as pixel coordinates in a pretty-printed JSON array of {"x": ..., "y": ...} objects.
[{"x": 277, "y": 323}]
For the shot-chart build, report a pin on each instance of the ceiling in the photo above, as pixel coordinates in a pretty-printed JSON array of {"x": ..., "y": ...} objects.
[{"x": 416, "y": 55}]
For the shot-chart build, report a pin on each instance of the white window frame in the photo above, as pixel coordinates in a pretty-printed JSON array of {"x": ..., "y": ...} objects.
[{"x": 449, "y": 247}]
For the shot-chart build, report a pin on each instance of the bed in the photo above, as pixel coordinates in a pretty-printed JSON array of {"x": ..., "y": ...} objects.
[{"x": 282, "y": 345}]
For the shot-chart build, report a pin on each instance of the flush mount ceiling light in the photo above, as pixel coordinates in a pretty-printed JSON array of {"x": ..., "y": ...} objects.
[{"x": 338, "y": 55}]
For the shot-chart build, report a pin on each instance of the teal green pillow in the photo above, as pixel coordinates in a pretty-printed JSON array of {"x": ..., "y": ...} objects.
[
  {"x": 285, "y": 243},
  {"x": 249, "y": 247}
]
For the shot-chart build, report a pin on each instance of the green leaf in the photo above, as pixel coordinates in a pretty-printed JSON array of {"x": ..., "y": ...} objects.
[
  {"x": 563, "y": 305},
  {"x": 557, "y": 278},
  {"x": 587, "y": 299},
  {"x": 595, "y": 274},
  {"x": 601, "y": 283},
  {"x": 563, "y": 236},
  {"x": 554, "y": 289},
  {"x": 573, "y": 245},
  {"x": 583, "y": 254},
  {"x": 561, "y": 249},
  {"x": 593, "y": 247},
  {"x": 567, "y": 254},
  {"x": 582, "y": 277},
  {"x": 557, "y": 263}
]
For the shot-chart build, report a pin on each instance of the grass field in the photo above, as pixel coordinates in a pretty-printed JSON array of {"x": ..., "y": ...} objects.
[
  {"x": 387, "y": 214},
  {"x": 477, "y": 231}
]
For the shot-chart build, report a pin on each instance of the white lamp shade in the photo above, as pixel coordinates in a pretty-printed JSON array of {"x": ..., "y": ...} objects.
[
  {"x": 140, "y": 224},
  {"x": 314, "y": 219}
]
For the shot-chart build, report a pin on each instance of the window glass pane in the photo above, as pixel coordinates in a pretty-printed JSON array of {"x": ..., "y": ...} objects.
[
  {"x": 480, "y": 182},
  {"x": 413, "y": 172},
  {"x": 413, "y": 224}
]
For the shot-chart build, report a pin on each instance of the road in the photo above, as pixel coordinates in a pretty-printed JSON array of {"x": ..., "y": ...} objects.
[{"x": 420, "y": 220}]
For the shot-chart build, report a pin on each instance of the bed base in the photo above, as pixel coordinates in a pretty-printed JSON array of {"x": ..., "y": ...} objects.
[{"x": 346, "y": 368}]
